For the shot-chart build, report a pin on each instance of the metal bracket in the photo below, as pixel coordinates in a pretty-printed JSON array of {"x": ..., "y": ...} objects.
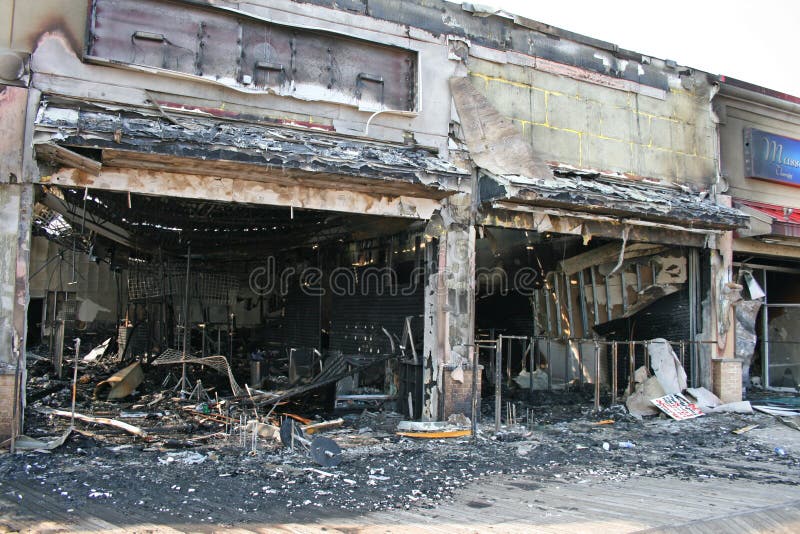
[
  {"x": 372, "y": 78},
  {"x": 270, "y": 67},
  {"x": 153, "y": 38},
  {"x": 149, "y": 36}
]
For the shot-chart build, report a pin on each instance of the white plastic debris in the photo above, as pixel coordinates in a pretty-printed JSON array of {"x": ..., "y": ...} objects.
[
  {"x": 705, "y": 399},
  {"x": 185, "y": 457}
]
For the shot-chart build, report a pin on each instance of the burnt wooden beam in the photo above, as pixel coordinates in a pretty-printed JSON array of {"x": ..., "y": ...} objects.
[
  {"x": 605, "y": 254},
  {"x": 336, "y": 198},
  {"x": 58, "y": 154},
  {"x": 136, "y": 138}
]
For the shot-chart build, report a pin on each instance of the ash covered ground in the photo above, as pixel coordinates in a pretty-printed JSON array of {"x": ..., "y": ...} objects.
[
  {"x": 199, "y": 468},
  {"x": 227, "y": 481}
]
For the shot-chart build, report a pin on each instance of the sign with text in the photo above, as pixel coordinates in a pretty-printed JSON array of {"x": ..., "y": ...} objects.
[
  {"x": 771, "y": 157},
  {"x": 677, "y": 407}
]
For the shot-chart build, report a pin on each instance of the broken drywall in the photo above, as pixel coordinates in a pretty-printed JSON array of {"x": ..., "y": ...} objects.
[
  {"x": 666, "y": 366},
  {"x": 494, "y": 142},
  {"x": 645, "y": 389}
]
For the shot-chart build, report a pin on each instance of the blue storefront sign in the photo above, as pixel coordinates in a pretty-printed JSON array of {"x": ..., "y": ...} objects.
[{"x": 771, "y": 157}]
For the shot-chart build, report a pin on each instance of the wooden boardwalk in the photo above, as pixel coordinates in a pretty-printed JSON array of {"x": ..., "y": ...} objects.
[
  {"x": 506, "y": 504},
  {"x": 523, "y": 505}
]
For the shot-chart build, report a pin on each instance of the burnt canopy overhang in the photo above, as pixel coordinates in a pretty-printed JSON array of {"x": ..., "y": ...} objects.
[
  {"x": 132, "y": 137},
  {"x": 594, "y": 193},
  {"x": 768, "y": 221}
]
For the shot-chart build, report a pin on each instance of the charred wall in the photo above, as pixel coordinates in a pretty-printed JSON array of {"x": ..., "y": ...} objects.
[
  {"x": 666, "y": 318},
  {"x": 356, "y": 320},
  {"x": 509, "y": 314}
]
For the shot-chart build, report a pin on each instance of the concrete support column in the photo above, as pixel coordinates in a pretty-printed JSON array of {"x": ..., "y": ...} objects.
[
  {"x": 449, "y": 314},
  {"x": 729, "y": 291},
  {"x": 726, "y": 371},
  {"x": 16, "y": 204},
  {"x": 719, "y": 370}
]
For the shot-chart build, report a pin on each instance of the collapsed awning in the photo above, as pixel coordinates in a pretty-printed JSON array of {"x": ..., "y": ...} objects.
[
  {"x": 154, "y": 139},
  {"x": 592, "y": 196},
  {"x": 768, "y": 219}
]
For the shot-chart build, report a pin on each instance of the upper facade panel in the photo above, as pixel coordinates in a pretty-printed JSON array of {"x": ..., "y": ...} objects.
[
  {"x": 380, "y": 70},
  {"x": 253, "y": 55}
]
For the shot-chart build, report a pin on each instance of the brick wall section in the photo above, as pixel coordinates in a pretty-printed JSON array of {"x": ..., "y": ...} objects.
[
  {"x": 6, "y": 405},
  {"x": 457, "y": 396},
  {"x": 727, "y": 379},
  {"x": 604, "y": 128}
]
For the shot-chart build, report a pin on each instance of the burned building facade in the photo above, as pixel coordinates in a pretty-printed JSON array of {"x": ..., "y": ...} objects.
[
  {"x": 410, "y": 187},
  {"x": 760, "y": 156}
]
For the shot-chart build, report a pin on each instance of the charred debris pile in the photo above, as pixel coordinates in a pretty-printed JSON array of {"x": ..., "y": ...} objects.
[{"x": 143, "y": 443}]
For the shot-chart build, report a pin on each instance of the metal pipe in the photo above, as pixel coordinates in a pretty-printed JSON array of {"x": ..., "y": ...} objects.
[
  {"x": 51, "y": 338},
  {"x": 162, "y": 309},
  {"x": 231, "y": 324},
  {"x": 548, "y": 311},
  {"x": 567, "y": 358},
  {"x": 508, "y": 360},
  {"x": 186, "y": 315},
  {"x": 531, "y": 364},
  {"x": 631, "y": 364},
  {"x": 549, "y": 366},
  {"x": 582, "y": 296},
  {"x": 614, "y": 370},
  {"x": 693, "y": 275},
  {"x": 594, "y": 296},
  {"x": 765, "y": 331},
  {"x": 557, "y": 295},
  {"x": 608, "y": 298},
  {"x": 533, "y": 355},
  {"x": 772, "y": 268},
  {"x": 570, "y": 310},
  {"x": 16, "y": 396},
  {"x": 596, "y": 376},
  {"x": 60, "y": 332},
  {"x": 474, "y": 393},
  {"x": 75, "y": 379},
  {"x": 580, "y": 363},
  {"x": 498, "y": 376},
  {"x": 186, "y": 299},
  {"x": 624, "y": 290}
]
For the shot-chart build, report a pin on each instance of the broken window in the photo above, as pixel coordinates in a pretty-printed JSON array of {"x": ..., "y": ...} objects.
[{"x": 766, "y": 335}]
